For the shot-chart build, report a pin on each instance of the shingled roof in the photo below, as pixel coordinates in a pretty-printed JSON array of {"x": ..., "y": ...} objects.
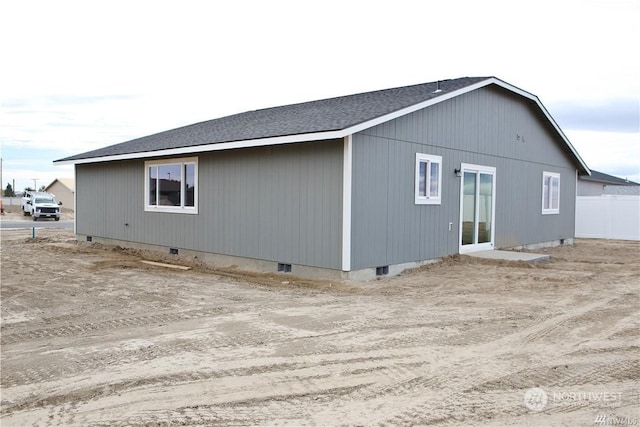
[
  {"x": 607, "y": 179},
  {"x": 307, "y": 121},
  {"x": 308, "y": 117}
]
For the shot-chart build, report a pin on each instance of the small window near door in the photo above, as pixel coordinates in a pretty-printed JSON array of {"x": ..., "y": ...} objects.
[
  {"x": 550, "y": 193},
  {"x": 428, "y": 179}
]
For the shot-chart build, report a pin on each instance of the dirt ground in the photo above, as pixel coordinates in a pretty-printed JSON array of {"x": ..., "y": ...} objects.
[{"x": 93, "y": 336}]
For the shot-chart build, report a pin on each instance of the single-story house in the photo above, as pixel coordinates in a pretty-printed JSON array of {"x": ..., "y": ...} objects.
[
  {"x": 352, "y": 186},
  {"x": 596, "y": 184},
  {"x": 64, "y": 190}
]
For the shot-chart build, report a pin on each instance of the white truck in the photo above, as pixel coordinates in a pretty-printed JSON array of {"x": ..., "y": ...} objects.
[{"x": 40, "y": 205}]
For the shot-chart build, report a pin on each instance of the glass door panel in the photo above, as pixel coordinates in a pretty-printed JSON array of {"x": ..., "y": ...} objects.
[
  {"x": 469, "y": 209},
  {"x": 485, "y": 207}
]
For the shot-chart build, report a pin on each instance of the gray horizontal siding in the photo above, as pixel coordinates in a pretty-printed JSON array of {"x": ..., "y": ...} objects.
[
  {"x": 481, "y": 127},
  {"x": 281, "y": 203}
]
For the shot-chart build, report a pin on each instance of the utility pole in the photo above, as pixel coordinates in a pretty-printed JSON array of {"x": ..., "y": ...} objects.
[{"x": 35, "y": 180}]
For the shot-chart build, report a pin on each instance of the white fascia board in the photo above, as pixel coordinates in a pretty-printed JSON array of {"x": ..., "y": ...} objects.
[
  {"x": 278, "y": 140},
  {"x": 336, "y": 134}
]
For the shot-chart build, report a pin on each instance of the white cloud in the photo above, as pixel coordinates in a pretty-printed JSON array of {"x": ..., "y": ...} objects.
[
  {"x": 81, "y": 75},
  {"x": 609, "y": 152},
  {"x": 605, "y": 115}
]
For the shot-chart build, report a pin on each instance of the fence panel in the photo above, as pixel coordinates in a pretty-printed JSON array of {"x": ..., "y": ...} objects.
[
  {"x": 608, "y": 217},
  {"x": 7, "y": 201}
]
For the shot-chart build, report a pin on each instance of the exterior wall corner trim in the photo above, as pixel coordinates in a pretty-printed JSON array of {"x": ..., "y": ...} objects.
[{"x": 347, "y": 170}]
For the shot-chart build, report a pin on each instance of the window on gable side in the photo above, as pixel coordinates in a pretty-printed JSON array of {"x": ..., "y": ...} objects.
[
  {"x": 428, "y": 179},
  {"x": 550, "y": 193}
]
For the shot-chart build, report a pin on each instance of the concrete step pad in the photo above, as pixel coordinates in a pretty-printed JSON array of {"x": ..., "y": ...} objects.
[{"x": 510, "y": 256}]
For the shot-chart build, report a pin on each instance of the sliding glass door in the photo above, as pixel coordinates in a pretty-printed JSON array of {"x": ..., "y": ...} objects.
[{"x": 477, "y": 207}]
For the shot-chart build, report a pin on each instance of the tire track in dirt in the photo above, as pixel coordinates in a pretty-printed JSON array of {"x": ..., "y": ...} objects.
[
  {"x": 115, "y": 324},
  {"x": 298, "y": 372},
  {"x": 522, "y": 380},
  {"x": 290, "y": 407},
  {"x": 415, "y": 356},
  {"x": 242, "y": 410},
  {"x": 96, "y": 362},
  {"x": 396, "y": 380},
  {"x": 480, "y": 407},
  {"x": 587, "y": 316},
  {"x": 565, "y": 375}
]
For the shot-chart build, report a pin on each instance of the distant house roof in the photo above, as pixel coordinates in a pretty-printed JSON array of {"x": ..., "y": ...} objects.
[
  {"x": 70, "y": 183},
  {"x": 309, "y": 121},
  {"x": 621, "y": 190},
  {"x": 606, "y": 179}
]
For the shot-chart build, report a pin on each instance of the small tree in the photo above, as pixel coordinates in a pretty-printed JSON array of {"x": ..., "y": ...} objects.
[
  {"x": 8, "y": 192},
  {"x": 42, "y": 188},
  {"x": 28, "y": 189}
]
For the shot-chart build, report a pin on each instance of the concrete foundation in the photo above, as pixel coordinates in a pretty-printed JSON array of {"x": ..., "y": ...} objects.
[{"x": 365, "y": 274}]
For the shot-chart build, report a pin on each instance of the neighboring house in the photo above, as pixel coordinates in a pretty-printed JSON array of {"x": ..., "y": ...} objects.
[
  {"x": 597, "y": 183},
  {"x": 622, "y": 190},
  {"x": 64, "y": 190},
  {"x": 352, "y": 186}
]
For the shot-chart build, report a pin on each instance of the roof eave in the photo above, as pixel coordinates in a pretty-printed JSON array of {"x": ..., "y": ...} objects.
[
  {"x": 341, "y": 133},
  {"x": 248, "y": 143},
  {"x": 278, "y": 140}
]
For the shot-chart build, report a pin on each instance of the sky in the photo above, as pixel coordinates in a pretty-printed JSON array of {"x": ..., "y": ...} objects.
[{"x": 80, "y": 75}]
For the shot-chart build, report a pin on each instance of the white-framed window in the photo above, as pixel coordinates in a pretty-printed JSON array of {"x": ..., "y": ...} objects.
[
  {"x": 171, "y": 185},
  {"x": 550, "y": 193},
  {"x": 428, "y": 179}
]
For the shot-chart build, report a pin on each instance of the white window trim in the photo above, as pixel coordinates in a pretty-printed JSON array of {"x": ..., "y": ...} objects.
[
  {"x": 172, "y": 209},
  {"x": 550, "y": 211},
  {"x": 427, "y": 200}
]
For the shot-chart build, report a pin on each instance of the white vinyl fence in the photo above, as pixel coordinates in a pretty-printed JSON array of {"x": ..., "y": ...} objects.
[
  {"x": 608, "y": 217},
  {"x": 12, "y": 201}
]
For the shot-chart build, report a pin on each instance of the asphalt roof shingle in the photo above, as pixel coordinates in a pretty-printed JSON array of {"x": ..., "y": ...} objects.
[
  {"x": 308, "y": 117},
  {"x": 607, "y": 179}
]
